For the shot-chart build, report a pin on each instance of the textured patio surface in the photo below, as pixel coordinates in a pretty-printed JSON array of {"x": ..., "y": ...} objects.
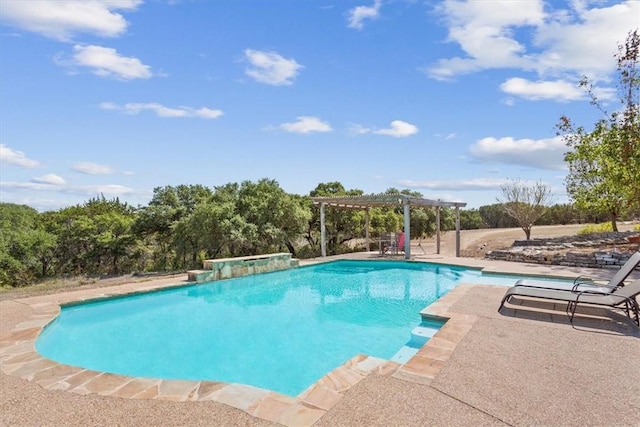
[{"x": 524, "y": 366}]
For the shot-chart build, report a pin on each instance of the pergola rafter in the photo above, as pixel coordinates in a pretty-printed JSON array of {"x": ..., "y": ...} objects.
[{"x": 389, "y": 200}]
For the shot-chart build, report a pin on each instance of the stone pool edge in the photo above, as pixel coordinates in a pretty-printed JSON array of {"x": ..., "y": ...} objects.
[{"x": 19, "y": 358}]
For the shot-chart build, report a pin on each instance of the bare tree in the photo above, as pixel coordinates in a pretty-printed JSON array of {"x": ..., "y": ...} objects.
[{"x": 524, "y": 202}]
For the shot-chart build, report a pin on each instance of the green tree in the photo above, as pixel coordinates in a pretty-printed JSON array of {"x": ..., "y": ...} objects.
[
  {"x": 168, "y": 212},
  {"x": 604, "y": 163},
  {"x": 494, "y": 216},
  {"x": 422, "y": 222},
  {"x": 114, "y": 238},
  {"x": 25, "y": 246},
  {"x": 240, "y": 234},
  {"x": 382, "y": 220},
  {"x": 525, "y": 203},
  {"x": 278, "y": 217},
  {"x": 217, "y": 225},
  {"x": 93, "y": 238},
  {"x": 560, "y": 214},
  {"x": 153, "y": 226},
  {"x": 470, "y": 219},
  {"x": 341, "y": 225}
]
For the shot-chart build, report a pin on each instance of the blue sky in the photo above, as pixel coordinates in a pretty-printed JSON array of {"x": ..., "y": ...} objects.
[{"x": 448, "y": 98}]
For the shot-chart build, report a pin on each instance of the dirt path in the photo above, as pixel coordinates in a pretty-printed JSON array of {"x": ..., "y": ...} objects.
[{"x": 474, "y": 243}]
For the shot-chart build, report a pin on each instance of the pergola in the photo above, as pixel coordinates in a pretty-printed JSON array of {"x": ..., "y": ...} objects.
[{"x": 377, "y": 200}]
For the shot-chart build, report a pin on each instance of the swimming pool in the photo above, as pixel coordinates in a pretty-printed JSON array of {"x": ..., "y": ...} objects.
[{"x": 280, "y": 331}]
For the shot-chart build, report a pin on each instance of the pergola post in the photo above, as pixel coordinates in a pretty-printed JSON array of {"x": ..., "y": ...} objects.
[
  {"x": 366, "y": 227},
  {"x": 407, "y": 231},
  {"x": 323, "y": 243},
  {"x": 457, "y": 231},
  {"x": 438, "y": 230}
]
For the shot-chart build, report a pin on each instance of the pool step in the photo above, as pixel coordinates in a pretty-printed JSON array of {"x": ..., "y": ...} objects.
[
  {"x": 424, "y": 331},
  {"x": 419, "y": 336},
  {"x": 404, "y": 354}
]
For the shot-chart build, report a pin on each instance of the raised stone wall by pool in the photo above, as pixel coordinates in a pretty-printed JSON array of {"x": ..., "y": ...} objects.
[
  {"x": 226, "y": 268},
  {"x": 599, "y": 250}
]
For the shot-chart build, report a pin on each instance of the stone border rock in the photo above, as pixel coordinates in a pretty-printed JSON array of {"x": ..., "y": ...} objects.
[{"x": 558, "y": 251}]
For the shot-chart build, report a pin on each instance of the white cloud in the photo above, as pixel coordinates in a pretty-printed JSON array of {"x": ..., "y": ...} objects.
[
  {"x": 557, "y": 44},
  {"x": 113, "y": 190},
  {"x": 81, "y": 190},
  {"x": 18, "y": 158},
  {"x": 10, "y": 185},
  {"x": 271, "y": 68},
  {"x": 484, "y": 32},
  {"x": 355, "y": 129},
  {"x": 477, "y": 184},
  {"x": 359, "y": 14},
  {"x": 106, "y": 62},
  {"x": 162, "y": 111},
  {"x": 60, "y": 19},
  {"x": 398, "y": 129},
  {"x": 558, "y": 90},
  {"x": 306, "y": 124},
  {"x": 540, "y": 154},
  {"x": 583, "y": 40},
  {"x": 49, "y": 179},
  {"x": 446, "y": 137},
  {"x": 90, "y": 168}
]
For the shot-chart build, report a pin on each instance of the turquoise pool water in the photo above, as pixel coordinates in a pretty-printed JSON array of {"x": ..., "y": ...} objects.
[{"x": 281, "y": 331}]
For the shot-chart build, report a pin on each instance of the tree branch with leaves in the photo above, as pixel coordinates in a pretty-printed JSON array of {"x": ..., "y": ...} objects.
[{"x": 604, "y": 163}]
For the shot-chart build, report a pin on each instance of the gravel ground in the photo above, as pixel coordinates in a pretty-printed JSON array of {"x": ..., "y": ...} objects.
[{"x": 26, "y": 404}]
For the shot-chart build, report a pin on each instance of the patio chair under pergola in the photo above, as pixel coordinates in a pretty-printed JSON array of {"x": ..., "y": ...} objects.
[{"x": 390, "y": 200}]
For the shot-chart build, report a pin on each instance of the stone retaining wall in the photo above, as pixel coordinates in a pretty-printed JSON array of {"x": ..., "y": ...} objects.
[
  {"x": 226, "y": 268},
  {"x": 580, "y": 241},
  {"x": 558, "y": 251}
]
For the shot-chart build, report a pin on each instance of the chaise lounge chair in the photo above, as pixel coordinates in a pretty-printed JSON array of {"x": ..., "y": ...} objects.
[
  {"x": 587, "y": 285},
  {"x": 622, "y": 298}
]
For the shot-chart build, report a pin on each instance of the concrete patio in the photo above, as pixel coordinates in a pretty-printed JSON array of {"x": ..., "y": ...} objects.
[{"x": 526, "y": 366}]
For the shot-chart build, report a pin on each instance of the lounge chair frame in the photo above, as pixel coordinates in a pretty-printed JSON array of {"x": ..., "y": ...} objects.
[
  {"x": 587, "y": 284},
  {"x": 630, "y": 307},
  {"x": 625, "y": 297}
]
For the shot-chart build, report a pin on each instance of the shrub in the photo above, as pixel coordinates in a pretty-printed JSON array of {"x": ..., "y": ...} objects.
[
  {"x": 605, "y": 227},
  {"x": 307, "y": 251}
]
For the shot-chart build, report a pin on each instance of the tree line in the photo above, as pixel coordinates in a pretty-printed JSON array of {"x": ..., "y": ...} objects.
[
  {"x": 185, "y": 224},
  {"x": 181, "y": 226}
]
